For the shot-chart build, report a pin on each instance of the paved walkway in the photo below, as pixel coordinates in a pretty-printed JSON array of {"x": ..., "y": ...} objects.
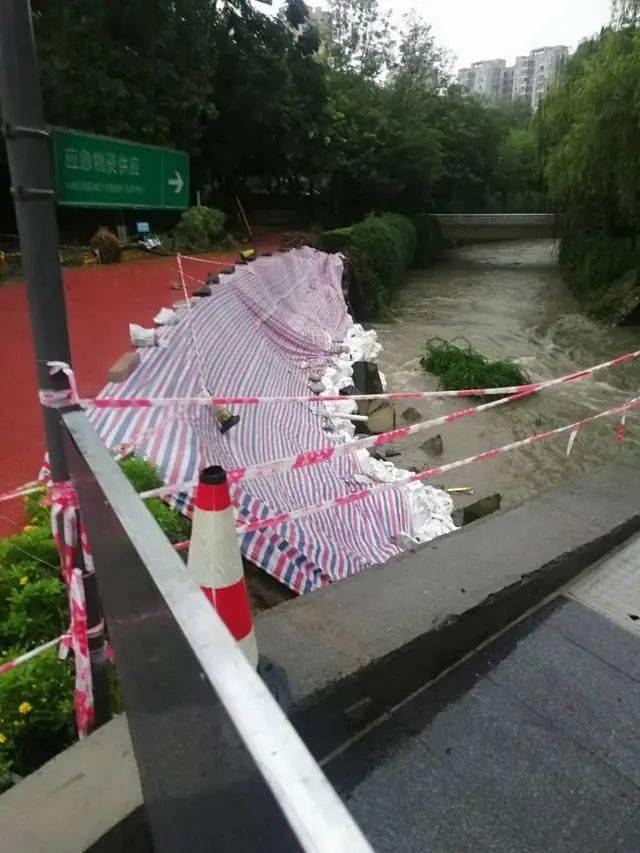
[
  {"x": 101, "y": 302},
  {"x": 533, "y": 744}
]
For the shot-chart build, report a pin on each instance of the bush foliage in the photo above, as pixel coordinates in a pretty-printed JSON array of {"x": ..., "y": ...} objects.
[
  {"x": 36, "y": 711},
  {"x": 460, "y": 367},
  {"x": 199, "y": 229},
  {"x": 142, "y": 475},
  {"x": 429, "y": 239},
  {"x": 36, "y": 698},
  {"x": 381, "y": 250},
  {"x": 588, "y": 129}
]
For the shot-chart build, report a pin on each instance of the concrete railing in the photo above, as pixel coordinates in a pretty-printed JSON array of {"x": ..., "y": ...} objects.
[{"x": 497, "y": 226}]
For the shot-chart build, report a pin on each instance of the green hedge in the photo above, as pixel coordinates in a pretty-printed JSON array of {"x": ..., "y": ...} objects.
[
  {"x": 430, "y": 242},
  {"x": 36, "y": 699},
  {"x": 336, "y": 240},
  {"x": 381, "y": 250}
]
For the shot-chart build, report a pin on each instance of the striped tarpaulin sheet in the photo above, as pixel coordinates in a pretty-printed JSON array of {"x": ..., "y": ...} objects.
[{"x": 264, "y": 330}]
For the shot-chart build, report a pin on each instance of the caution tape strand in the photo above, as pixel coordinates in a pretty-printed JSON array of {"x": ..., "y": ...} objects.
[{"x": 48, "y": 398}]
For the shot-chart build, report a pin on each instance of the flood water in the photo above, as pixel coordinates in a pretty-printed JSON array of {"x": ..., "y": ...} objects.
[{"x": 510, "y": 301}]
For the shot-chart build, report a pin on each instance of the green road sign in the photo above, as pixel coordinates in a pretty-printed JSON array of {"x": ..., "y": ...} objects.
[{"x": 99, "y": 171}]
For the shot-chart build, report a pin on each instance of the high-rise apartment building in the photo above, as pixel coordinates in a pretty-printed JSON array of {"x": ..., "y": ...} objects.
[
  {"x": 546, "y": 67},
  {"x": 506, "y": 92},
  {"x": 321, "y": 18},
  {"x": 467, "y": 78},
  {"x": 490, "y": 78},
  {"x": 529, "y": 78},
  {"x": 523, "y": 78}
]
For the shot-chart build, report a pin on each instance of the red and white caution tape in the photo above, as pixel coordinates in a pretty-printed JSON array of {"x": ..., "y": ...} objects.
[
  {"x": 363, "y": 494},
  {"x": 334, "y": 451},
  {"x": 315, "y": 457},
  {"x": 83, "y": 693},
  {"x": 20, "y": 491},
  {"x": 53, "y": 398},
  {"x": 65, "y": 516},
  {"x": 27, "y": 656},
  {"x": 194, "y": 337},
  {"x": 206, "y": 261}
]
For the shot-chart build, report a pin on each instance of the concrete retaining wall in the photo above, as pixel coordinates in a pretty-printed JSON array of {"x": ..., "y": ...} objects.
[{"x": 359, "y": 647}]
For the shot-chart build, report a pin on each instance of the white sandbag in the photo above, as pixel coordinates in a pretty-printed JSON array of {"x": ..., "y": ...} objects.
[
  {"x": 430, "y": 510},
  {"x": 166, "y": 317},
  {"x": 141, "y": 337}
]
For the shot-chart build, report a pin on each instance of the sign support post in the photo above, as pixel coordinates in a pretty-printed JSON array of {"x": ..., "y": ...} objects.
[{"x": 29, "y": 155}]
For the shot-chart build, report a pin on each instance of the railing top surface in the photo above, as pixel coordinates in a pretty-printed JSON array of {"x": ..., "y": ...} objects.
[{"x": 313, "y": 809}]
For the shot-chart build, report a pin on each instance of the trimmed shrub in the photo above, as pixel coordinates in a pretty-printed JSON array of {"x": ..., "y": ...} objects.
[
  {"x": 142, "y": 475},
  {"x": 336, "y": 240},
  {"x": 34, "y": 544},
  {"x": 36, "y": 698},
  {"x": 175, "y": 526},
  {"x": 381, "y": 250},
  {"x": 14, "y": 578},
  {"x": 36, "y": 711},
  {"x": 5, "y": 770},
  {"x": 429, "y": 238},
  {"x": 199, "y": 229},
  {"x": 38, "y": 611},
  {"x": 464, "y": 367},
  {"x": 37, "y": 513}
]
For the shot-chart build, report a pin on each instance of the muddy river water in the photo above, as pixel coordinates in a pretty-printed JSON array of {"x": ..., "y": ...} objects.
[{"x": 510, "y": 301}]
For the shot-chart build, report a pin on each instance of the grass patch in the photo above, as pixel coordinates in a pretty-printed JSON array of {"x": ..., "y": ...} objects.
[{"x": 460, "y": 367}]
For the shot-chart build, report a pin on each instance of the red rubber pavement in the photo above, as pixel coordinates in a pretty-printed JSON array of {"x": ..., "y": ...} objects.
[{"x": 101, "y": 302}]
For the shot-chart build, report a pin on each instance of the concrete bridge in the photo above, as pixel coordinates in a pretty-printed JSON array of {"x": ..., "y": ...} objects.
[{"x": 476, "y": 227}]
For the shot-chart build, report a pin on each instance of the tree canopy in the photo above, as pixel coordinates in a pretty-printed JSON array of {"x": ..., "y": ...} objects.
[
  {"x": 588, "y": 133},
  {"x": 359, "y": 115},
  {"x": 625, "y": 13}
]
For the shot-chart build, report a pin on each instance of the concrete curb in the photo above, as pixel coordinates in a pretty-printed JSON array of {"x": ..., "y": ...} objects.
[
  {"x": 76, "y": 798},
  {"x": 355, "y": 649}
]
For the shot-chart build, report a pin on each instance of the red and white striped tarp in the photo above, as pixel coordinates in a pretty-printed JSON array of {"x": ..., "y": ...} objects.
[{"x": 263, "y": 331}]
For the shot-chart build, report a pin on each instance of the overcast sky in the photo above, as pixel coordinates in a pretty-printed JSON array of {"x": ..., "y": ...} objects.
[{"x": 504, "y": 29}]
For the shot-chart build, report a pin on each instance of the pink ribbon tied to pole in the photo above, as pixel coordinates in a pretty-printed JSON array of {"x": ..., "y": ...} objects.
[{"x": 68, "y": 396}]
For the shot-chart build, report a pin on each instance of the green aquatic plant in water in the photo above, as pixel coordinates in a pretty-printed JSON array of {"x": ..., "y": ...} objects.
[{"x": 460, "y": 367}]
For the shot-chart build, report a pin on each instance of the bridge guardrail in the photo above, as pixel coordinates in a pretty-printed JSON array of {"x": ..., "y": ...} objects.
[{"x": 220, "y": 765}]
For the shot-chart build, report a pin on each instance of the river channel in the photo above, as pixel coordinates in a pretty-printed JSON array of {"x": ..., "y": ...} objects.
[{"x": 510, "y": 301}]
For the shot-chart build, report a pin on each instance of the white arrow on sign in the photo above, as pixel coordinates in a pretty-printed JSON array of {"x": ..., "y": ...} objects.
[{"x": 176, "y": 182}]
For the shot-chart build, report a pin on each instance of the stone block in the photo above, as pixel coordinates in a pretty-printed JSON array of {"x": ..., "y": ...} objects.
[{"x": 124, "y": 366}]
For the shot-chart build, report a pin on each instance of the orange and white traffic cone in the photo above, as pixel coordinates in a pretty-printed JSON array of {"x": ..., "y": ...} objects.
[{"x": 215, "y": 562}]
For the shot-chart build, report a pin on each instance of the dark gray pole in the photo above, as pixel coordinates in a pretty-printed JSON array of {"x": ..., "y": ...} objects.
[{"x": 30, "y": 166}]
